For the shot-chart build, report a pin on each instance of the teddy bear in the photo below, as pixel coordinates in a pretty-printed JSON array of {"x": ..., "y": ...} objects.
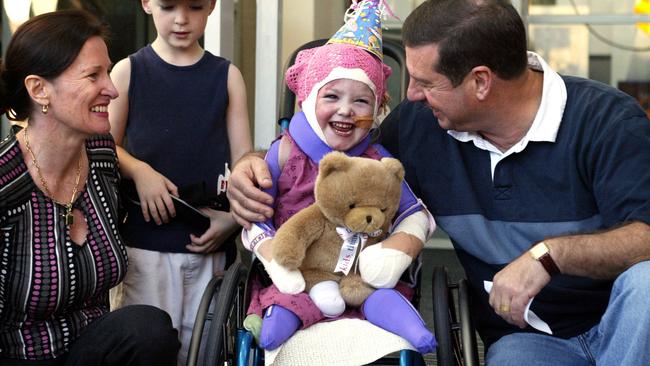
[{"x": 355, "y": 200}]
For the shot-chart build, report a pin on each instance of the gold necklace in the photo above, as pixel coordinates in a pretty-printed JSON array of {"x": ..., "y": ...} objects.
[{"x": 68, "y": 216}]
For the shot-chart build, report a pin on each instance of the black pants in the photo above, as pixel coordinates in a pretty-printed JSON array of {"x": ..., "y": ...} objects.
[{"x": 137, "y": 335}]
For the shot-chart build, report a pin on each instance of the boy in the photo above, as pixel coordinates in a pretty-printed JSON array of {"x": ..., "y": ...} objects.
[{"x": 183, "y": 113}]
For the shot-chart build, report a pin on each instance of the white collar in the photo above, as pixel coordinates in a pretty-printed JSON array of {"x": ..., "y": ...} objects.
[{"x": 547, "y": 120}]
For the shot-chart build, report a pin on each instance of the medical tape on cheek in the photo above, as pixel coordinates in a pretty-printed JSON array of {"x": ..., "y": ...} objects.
[{"x": 364, "y": 121}]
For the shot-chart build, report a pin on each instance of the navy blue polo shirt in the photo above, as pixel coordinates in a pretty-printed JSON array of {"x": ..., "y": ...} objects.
[{"x": 595, "y": 176}]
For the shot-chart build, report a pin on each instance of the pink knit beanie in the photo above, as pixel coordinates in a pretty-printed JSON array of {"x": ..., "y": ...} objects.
[{"x": 313, "y": 65}]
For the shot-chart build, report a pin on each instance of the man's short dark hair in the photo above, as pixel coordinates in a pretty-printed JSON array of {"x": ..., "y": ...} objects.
[{"x": 470, "y": 33}]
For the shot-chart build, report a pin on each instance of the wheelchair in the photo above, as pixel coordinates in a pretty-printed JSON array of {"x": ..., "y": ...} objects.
[
  {"x": 453, "y": 324},
  {"x": 224, "y": 302},
  {"x": 223, "y": 309}
]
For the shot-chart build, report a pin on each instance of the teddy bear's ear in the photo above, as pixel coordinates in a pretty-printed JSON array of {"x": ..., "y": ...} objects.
[
  {"x": 394, "y": 166},
  {"x": 332, "y": 162}
]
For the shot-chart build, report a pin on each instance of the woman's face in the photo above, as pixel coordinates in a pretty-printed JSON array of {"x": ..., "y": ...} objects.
[
  {"x": 79, "y": 97},
  {"x": 338, "y": 104}
]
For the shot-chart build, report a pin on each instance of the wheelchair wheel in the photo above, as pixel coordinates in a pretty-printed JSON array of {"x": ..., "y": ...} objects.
[
  {"x": 202, "y": 315},
  {"x": 228, "y": 317},
  {"x": 224, "y": 296},
  {"x": 453, "y": 326},
  {"x": 443, "y": 318}
]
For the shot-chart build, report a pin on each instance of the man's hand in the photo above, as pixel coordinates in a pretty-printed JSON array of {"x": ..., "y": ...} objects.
[
  {"x": 248, "y": 203},
  {"x": 515, "y": 285}
]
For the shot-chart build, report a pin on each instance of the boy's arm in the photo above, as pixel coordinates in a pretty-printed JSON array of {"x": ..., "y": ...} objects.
[
  {"x": 239, "y": 134},
  {"x": 153, "y": 188}
]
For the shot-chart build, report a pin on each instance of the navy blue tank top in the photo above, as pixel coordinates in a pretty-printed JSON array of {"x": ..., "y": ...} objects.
[{"x": 176, "y": 124}]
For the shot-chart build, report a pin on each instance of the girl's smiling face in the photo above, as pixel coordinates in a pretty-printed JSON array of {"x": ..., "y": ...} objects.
[{"x": 338, "y": 104}]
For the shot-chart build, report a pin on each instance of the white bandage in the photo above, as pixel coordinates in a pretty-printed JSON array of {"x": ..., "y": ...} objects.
[
  {"x": 288, "y": 281},
  {"x": 419, "y": 224},
  {"x": 382, "y": 267},
  {"x": 326, "y": 296}
]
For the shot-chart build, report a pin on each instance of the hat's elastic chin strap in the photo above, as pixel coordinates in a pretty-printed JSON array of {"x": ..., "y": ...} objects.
[{"x": 309, "y": 109}]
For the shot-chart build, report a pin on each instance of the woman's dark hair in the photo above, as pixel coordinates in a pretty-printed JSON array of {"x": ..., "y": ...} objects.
[
  {"x": 470, "y": 33},
  {"x": 45, "y": 45}
]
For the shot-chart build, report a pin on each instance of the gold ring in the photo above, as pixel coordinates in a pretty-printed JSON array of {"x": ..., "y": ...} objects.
[{"x": 504, "y": 308}]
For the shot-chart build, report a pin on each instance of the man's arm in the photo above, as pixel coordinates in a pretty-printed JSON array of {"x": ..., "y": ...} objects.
[
  {"x": 602, "y": 255},
  {"x": 248, "y": 203}
]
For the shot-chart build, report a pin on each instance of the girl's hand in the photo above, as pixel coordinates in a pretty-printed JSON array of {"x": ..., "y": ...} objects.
[
  {"x": 222, "y": 225},
  {"x": 154, "y": 191}
]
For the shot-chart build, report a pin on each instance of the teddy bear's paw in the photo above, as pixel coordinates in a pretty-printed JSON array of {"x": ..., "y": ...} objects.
[
  {"x": 355, "y": 292},
  {"x": 288, "y": 281}
]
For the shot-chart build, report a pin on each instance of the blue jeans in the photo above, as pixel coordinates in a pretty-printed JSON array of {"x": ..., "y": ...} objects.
[{"x": 621, "y": 338}]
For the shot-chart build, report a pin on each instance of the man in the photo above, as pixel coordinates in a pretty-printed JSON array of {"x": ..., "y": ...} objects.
[{"x": 541, "y": 181}]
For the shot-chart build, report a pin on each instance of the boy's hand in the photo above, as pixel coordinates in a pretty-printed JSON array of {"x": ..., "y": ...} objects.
[
  {"x": 248, "y": 203},
  {"x": 222, "y": 225},
  {"x": 154, "y": 191}
]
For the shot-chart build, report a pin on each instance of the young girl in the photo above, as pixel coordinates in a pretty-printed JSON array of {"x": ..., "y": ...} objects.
[
  {"x": 180, "y": 121},
  {"x": 341, "y": 88}
]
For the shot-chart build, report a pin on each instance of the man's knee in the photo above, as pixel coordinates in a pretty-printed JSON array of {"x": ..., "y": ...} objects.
[{"x": 535, "y": 349}]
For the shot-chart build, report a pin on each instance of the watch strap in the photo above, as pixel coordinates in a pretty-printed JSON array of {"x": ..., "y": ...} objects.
[
  {"x": 541, "y": 253},
  {"x": 549, "y": 264}
]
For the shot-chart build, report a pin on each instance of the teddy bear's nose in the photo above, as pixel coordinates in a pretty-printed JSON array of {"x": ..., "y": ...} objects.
[{"x": 368, "y": 219}]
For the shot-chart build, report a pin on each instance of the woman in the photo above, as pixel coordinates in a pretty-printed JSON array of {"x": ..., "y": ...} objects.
[{"x": 60, "y": 251}]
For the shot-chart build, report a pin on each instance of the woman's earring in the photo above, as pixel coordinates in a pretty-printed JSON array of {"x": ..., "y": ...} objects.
[{"x": 45, "y": 108}]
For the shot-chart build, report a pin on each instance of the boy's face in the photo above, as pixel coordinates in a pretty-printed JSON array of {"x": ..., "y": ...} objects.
[
  {"x": 339, "y": 104},
  {"x": 179, "y": 22}
]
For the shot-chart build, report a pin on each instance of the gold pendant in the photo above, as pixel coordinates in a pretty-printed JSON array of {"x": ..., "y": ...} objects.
[{"x": 69, "y": 218}]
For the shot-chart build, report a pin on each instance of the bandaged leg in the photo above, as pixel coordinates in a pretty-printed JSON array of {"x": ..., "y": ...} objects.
[
  {"x": 327, "y": 297},
  {"x": 389, "y": 310},
  {"x": 277, "y": 326}
]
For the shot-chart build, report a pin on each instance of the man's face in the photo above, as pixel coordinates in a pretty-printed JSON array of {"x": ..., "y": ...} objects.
[{"x": 448, "y": 103}]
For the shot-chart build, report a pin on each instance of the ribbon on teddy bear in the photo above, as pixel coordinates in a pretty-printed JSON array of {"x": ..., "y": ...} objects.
[{"x": 351, "y": 241}]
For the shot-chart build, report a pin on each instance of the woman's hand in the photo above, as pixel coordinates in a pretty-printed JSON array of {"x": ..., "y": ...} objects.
[
  {"x": 222, "y": 225},
  {"x": 154, "y": 191}
]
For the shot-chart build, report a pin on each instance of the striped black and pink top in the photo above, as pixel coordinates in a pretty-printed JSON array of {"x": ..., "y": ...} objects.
[{"x": 50, "y": 287}]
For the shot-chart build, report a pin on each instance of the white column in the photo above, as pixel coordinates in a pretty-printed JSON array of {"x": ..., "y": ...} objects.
[
  {"x": 267, "y": 69},
  {"x": 220, "y": 29}
]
